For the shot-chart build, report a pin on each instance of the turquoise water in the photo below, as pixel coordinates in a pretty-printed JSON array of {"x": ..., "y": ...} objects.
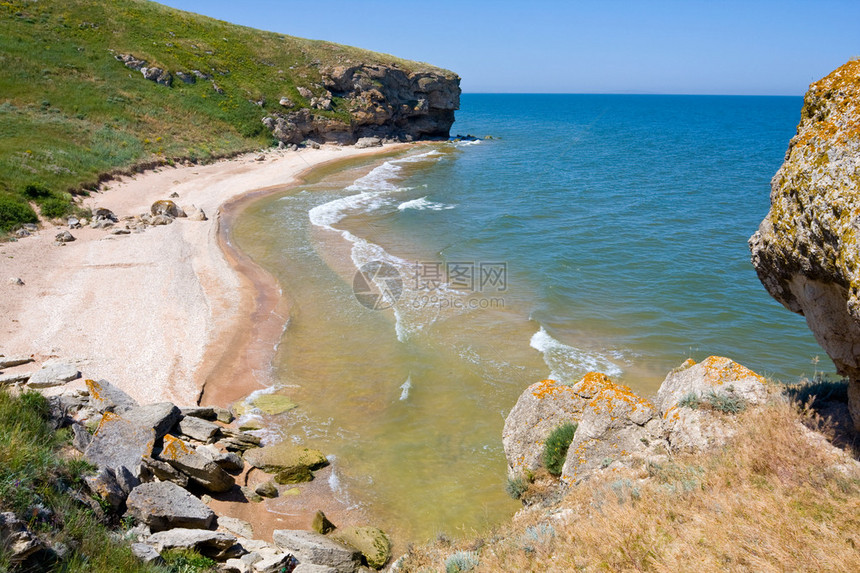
[{"x": 613, "y": 232}]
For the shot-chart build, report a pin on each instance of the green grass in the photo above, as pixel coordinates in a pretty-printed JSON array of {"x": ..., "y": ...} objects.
[
  {"x": 70, "y": 112},
  {"x": 555, "y": 447},
  {"x": 35, "y": 484}
]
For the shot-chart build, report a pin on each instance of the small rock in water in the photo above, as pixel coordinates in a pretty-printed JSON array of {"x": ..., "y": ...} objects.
[
  {"x": 267, "y": 489},
  {"x": 322, "y": 524}
]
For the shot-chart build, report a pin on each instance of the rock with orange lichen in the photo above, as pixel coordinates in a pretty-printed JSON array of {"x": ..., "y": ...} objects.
[
  {"x": 540, "y": 409},
  {"x": 120, "y": 442},
  {"x": 807, "y": 250},
  {"x": 715, "y": 374},
  {"x": 616, "y": 427},
  {"x": 203, "y": 471},
  {"x": 685, "y": 401}
]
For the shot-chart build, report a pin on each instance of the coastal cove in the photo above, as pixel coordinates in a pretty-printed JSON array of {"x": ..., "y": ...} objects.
[{"x": 636, "y": 208}]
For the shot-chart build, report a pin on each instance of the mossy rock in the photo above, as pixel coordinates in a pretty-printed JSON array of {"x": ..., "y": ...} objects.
[
  {"x": 372, "y": 542},
  {"x": 322, "y": 524},
  {"x": 250, "y": 425},
  {"x": 270, "y": 404},
  {"x": 273, "y": 404},
  {"x": 297, "y": 474},
  {"x": 286, "y": 460}
]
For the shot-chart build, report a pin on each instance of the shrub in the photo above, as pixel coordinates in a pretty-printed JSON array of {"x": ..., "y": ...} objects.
[
  {"x": 725, "y": 403},
  {"x": 555, "y": 447},
  {"x": 516, "y": 486},
  {"x": 14, "y": 212},
  {"x": 187, "y": 561},
  {"x": 54, "y": 207},
  {"x": 461, "y": 561},
  {"x": 36, "y": 192}
]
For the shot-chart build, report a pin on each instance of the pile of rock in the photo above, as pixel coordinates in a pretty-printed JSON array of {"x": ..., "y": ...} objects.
[
  {"x": 158, "y": 463},
  {"x": 616, "y": 428}
]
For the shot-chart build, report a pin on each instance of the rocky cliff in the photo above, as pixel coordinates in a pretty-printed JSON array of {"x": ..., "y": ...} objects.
[
  {"x": 381, "y": 100},
  {"x": 806, "y": 251}
]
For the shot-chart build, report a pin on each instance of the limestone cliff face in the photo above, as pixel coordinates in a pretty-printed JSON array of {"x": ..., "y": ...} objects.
[
  {"x": 382, "y": 101},
  {"x": 806, "y": 251}
]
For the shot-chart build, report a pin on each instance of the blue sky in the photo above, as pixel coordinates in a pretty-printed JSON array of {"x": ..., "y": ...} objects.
[{"x": 766, "y": 47}]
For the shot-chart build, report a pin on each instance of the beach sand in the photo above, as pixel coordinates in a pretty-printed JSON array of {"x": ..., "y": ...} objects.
[{"x": 173, "y": 313}]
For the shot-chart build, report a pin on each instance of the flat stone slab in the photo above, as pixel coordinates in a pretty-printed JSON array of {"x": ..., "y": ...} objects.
[
  {"x": 14, "y": 378},
  {"x": 198, "y": 429},
  {"x": 11, "y": 361},
  {"x": 105, "y": 397},
  {"x": 285, "y": 456},
  {"x": 317, "y": 549},
  {"x": 164, "y": 505},
  {"x": 209, "y": 543},
  {"x": 53, "y": 374},
  {"x": 160, "y": 417},
  {"x": 120, "y": 442}
]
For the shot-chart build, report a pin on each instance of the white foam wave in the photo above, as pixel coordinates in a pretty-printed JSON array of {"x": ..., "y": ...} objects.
[
  {"x": 566, "y": 363},
  {"x": 423, "y": 204},
  {"x": 405, "y": 388}
]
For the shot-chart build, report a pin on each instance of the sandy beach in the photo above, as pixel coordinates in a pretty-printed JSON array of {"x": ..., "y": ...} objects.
[{"x": 166, "y": 312}]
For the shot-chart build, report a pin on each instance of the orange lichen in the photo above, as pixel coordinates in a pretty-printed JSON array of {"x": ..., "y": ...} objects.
[
  {"x": 720, "y": 370},
  {"x": 549, "y": 388},
  {"x": 174, "y": 447}
]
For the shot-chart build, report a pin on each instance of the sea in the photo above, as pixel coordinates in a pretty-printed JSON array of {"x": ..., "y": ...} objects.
[{"x": 430, "y": 287}]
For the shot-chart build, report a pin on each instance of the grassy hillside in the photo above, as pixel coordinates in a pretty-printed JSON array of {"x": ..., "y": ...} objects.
[{"x": 69, "y": 111}]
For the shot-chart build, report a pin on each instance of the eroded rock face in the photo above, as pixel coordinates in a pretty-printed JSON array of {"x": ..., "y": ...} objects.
[
  {"x": 382, "y": 101},
  {"x": 807, "y": 250}
]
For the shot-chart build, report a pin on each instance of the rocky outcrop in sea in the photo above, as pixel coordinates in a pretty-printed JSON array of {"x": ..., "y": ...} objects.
[{"x": 807, "y": 249}]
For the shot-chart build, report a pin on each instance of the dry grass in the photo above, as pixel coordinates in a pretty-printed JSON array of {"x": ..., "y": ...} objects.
[{"x": 773, "y": 500}]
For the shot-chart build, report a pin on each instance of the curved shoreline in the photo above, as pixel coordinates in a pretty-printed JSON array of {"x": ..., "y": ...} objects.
[{"x": 264, "y": 308}]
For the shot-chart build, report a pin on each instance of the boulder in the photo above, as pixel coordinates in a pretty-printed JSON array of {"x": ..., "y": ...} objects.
[
  {"x": 229, "y": 461},
  {"x": 238, "y": 527},
  {"x": 18, "y": 543},
  {"x": 373, "y": 544},
  {"x": 312, "y": 547},
  {"x": 196, "y": 214},
  {"x": 204, "y": 472},
  {"x": 103, "y": 213},
  {"x": 365, "y": 142},
  {"x": 616, "y": 426},
  {"x": 166, "y": 207},
  {"x": 146, "y": 553},
  {"x": 120, "y": 442},
  {"x": 289, "y": 462},
  {"x": 160, "y": 417},
  {"x": 152, "y": 468},
  {"x": 806, "y": 251},
  {"x": 161, "y": 220},
  {"x": 238, "y": 441},
  {"x": 53, "y": 373},
  {"x": 322, "y": 525},
  {"x": 165, "y": 505},
  {"x": 105, "y": 486},
  {"x": 214, "y": 544},
  {"x": 64, "y": 237},
  {"x": 688, "y": 425},
  {"x": 81, "y": 438},
  {"x": 105, "y": 397},
  {"x": 198, "y": 429},
  {"x": 267, "y": 489},
  {"x": 542, "y": 408}
]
